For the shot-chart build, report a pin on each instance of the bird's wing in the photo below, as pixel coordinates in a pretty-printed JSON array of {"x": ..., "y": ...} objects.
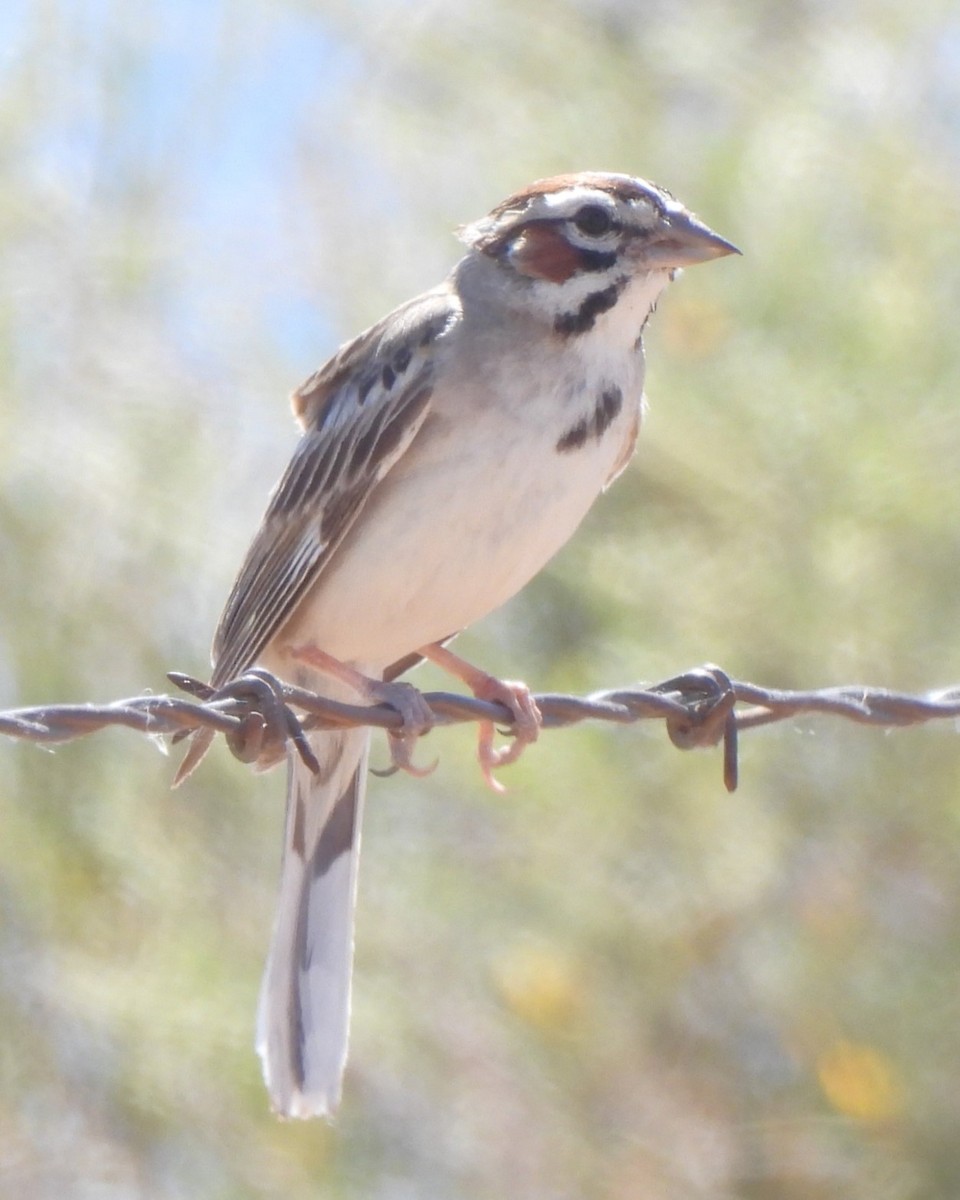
[{"x": 359, "y": 413}]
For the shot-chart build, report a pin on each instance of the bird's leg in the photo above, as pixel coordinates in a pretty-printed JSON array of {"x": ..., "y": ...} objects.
[
  {"x": 514, "y": 696},
  {"x": 404, "y": 697}
]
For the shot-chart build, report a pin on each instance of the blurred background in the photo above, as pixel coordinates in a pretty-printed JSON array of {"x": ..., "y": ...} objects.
[{"x": 618, "y": 981}]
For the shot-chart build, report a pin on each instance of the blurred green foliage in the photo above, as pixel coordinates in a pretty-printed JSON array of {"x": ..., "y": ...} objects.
[{"x": 618, "y": 981}]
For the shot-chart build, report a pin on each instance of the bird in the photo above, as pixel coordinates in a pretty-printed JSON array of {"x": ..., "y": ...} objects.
[{"x": 446, "y": 454}]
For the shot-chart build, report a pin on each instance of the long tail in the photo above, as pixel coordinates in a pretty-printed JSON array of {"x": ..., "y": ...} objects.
[{"x": 303, "y": 1018}]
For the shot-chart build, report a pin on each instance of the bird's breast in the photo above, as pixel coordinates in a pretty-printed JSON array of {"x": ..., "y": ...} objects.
[{"x": 503, "y": 471}]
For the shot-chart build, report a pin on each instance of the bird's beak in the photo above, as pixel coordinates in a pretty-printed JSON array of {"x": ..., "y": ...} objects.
[{"x": 683, "y": 240}]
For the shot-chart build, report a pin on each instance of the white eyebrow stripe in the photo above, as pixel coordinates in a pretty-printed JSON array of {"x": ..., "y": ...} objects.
[{"x": 569, "y": 198}]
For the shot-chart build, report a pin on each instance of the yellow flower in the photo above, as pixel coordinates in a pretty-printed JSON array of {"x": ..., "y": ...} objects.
[{"x": 859, "y": 1081}]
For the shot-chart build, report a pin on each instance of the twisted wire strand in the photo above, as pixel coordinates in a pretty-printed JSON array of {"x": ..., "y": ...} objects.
[{"x": 702, "y": 707}]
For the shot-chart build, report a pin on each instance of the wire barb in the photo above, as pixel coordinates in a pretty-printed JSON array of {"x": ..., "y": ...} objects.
[{"x": 259, "y": 715}]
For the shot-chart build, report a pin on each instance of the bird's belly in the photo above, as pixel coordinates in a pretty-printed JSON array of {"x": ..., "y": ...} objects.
[{"x": 436, "y": 548}]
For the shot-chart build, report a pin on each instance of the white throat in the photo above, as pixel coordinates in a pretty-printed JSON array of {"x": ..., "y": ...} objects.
[{"x": 623, "y": 324}]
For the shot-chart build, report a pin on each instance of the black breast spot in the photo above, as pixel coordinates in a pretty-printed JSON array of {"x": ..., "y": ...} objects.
[
  {"x": 605, "y": 412},
  {"x": 574, "y": 438},
  {"x": 608, "y": 409}
]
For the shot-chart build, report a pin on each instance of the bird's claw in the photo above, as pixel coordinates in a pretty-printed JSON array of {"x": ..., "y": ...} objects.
[
  {"x": 417, "y": 720},
  {"x": 526, "y": 726},
  {"x": 401, "y": 756}
]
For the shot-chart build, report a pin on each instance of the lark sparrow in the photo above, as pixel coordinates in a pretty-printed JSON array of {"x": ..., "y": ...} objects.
[{"x": 447, "y": 453}]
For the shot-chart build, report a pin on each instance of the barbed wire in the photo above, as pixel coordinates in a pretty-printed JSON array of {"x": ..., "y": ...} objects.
[{"x": 257, "y": 712}]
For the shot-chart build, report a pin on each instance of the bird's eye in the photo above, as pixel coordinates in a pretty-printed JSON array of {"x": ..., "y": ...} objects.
[{"x": 594, "y": 220}]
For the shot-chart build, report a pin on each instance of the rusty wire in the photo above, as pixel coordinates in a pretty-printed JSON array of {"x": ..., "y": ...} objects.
[{"x": 701, "y": 707}]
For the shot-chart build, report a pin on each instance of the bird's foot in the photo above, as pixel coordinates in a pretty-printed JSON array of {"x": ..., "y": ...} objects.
[{"x": 516, "y": 697}]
